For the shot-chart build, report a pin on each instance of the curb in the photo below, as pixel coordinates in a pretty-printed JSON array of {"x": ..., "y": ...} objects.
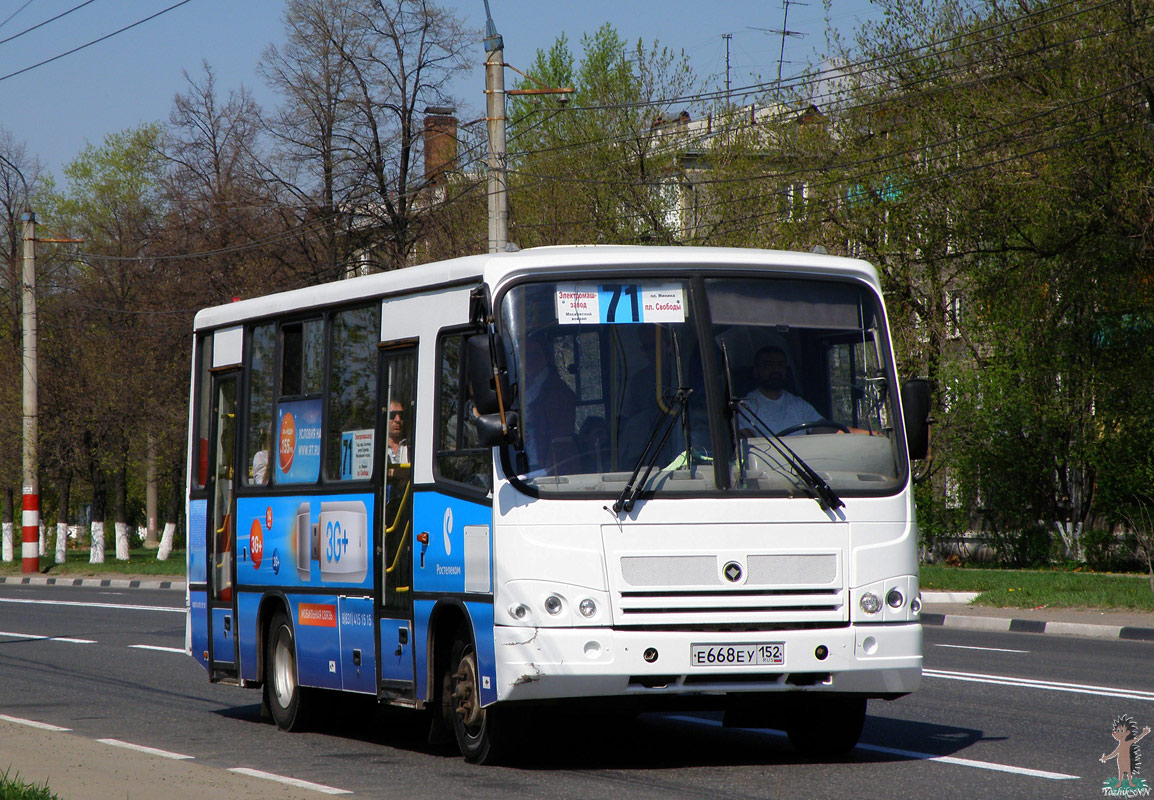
[
  {"x": 1011, "y": 625},
  {"x": 99, "y": 583}
]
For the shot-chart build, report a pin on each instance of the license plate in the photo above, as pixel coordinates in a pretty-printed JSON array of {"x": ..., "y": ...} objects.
[{"x": 737, "y": 655}]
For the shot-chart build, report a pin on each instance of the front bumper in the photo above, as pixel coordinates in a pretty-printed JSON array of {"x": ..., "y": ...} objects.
[{"x": 559, "y": 663}]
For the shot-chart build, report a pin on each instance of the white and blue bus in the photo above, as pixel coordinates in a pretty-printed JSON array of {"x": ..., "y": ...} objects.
[{"x": 640, "y": 478}]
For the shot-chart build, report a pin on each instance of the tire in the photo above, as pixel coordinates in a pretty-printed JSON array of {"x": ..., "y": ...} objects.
[
  {"x": 283, "y": 695},
  {"x": 478, "y": 731},
  {"x": 826, "y": 726}
]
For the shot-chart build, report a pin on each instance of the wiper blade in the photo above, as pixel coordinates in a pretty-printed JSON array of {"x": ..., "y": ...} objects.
[
  {"x": 648, "y": 457},
  {"x": 826, "y": 497}
]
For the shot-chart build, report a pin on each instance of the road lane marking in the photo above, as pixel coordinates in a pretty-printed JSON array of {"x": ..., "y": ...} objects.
[
  {"x": 1030, "y": 683},
  {"x": 152, "y": 751},
  {"x": 179, "y": 651},
  {"x": 987, "y": 649},
  {"x": 960, "y": 762},
  {"x": 31, "y": 723},
  {"x": 32, "y": 637},
  {"x": 79, "y": 604},
  {"x": 969, "y": 762},
  {"x": 269, "y": 776}
]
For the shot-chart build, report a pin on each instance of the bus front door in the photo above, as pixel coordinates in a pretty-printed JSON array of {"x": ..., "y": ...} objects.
[
  {"x": 221, "y": 538},
  {"x": 398, "y": 394}
]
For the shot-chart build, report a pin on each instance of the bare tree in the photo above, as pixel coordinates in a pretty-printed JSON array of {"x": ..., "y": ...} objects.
[{"x": 356, "y": 75}]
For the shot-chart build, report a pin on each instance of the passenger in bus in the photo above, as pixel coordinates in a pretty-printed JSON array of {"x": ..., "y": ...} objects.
[
  {"x": 260, "y": 460},
  {"x": 550, "y": 411},
  {"x": 770, "y": 401},
  {"x": 397, "y": 451}
]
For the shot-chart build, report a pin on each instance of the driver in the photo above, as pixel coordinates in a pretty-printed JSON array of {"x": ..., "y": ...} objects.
[{"x": 778, "y": 408}]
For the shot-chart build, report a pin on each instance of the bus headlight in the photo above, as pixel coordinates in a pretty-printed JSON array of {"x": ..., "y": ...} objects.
[
  {"x": 553, "y": 605},
  {"x": 519, "y": 611},
  {"x": 587, "y": 608},
  {"x": 870, "y": 603},
  {"x": 895, "y": 599}
]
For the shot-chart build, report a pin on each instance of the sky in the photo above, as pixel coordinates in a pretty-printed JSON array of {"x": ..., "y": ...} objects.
[{"x": 131, "y": 77}]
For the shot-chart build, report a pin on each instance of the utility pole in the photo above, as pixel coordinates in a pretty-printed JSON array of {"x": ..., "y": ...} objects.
[
  {"x": 727, "y": 37},
  {"x": 30, "y": 549},
  {"x": 495, "y": 119}
]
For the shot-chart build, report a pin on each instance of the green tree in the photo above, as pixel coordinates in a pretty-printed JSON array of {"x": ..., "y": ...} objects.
[
  {"x": 602, "y": 168},
  {"x": 103, "y": 311}
]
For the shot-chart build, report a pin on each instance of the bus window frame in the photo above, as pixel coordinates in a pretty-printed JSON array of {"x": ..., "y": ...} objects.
[{"x": 451, "y": 485}]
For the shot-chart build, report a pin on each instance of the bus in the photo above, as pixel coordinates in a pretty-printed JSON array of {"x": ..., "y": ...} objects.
[{"x": 606, "y": 477}]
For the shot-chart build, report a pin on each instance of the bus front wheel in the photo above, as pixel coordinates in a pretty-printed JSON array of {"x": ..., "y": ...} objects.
[
  {"x": 282, "y": 693},
  {"x": 478, "y": 730}
]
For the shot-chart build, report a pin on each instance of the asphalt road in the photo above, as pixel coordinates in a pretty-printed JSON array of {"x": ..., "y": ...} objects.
[{"x": 999, "y": 715}]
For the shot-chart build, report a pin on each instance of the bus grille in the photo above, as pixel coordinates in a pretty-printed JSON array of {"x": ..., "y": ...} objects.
[{"x": 774, "y": 590}]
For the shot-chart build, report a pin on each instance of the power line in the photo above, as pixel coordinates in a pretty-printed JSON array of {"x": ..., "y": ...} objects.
[
  {"x": 45, "y": 22},
  {"x": 94, "y": 41}
]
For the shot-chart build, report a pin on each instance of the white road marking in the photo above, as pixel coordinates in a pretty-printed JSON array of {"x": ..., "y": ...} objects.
[
  {"x": 179, "y": 651},
  {"x": 90, "y": 605},
  {"x": 152, "y": 751},
  {"x": 1051, "y": 686},
  {"x": 31, "y": 723},
  {"x": 269, "y": 776},
  {"x": 987, "y": 649},
  {"x": 969, "y": 762},
  {"x": 960, "y": 762},
  {"x": 32, "y": 637}
]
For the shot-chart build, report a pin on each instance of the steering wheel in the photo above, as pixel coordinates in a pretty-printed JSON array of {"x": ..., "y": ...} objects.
[{"x": 814, "y": 425}]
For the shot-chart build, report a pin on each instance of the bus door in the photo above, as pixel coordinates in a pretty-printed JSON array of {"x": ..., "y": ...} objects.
[
  {"x": 398, "y": 394},
  {"x": 221, "y": 538}
]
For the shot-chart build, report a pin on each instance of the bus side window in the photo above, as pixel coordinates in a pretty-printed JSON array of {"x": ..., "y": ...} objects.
[
  {"x": 460, "y": 458},
  {"x": 351, "y": 403},
  {"x": 261, "y": 372}
]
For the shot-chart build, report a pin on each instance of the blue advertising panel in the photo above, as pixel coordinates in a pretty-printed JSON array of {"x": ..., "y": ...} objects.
[
  {"x": 298, "y": 441},
  {"x": 318, "y": 640},
  {"x": 302, "y": 540},
  {"x": 457, "y": 555},
  {"x": 197, "y": 543}
]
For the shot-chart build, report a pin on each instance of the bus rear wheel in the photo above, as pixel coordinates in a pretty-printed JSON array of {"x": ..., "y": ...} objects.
[
  {"x": 282, "y": 693},
  {"x": 826, "y": 726}
]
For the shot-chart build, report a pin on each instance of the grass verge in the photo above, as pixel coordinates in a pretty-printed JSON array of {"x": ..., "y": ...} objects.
[
  {"x": 12, "y": 788},
  {"x": 1021, "y": 588},
  {"x": 140, "y": 562}
]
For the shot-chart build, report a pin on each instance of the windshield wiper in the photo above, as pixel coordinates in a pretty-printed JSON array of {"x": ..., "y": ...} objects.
[
  {"x": 822, "y": 492},
  {"x": 648, "y": 457}
]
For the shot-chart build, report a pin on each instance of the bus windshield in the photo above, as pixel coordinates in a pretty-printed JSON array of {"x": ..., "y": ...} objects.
[{"x": 707, "y": 385}]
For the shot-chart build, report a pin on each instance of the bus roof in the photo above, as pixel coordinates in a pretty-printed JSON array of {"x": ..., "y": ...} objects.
[{"x": 494, "y": 269}]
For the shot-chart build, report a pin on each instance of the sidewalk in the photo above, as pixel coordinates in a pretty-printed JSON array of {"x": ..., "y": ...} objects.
[
  {"x": 954, "y": 610},
  {"x": 117, "y": 581}
]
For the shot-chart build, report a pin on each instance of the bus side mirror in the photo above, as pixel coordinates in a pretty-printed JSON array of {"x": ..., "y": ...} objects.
[
  {"x": 916, "y": 415},
  {"x": 489, "y": 430},
  {"x": 482, "y": 376}
]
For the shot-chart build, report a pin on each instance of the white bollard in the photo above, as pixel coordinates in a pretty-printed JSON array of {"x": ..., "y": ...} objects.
[
  {"x": 96, "y": 552},
  {"x": 165, "y": 549},
  {"x": 6, "y": 552}
]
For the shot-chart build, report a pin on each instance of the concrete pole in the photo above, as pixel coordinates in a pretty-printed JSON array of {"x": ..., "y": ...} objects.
[
  {"x": 495, "y": 116},
  {"x": 30, "y": 550}
]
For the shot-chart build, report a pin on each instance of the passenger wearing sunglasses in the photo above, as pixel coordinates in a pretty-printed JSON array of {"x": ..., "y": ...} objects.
[{"x": 398, "y": 445}]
